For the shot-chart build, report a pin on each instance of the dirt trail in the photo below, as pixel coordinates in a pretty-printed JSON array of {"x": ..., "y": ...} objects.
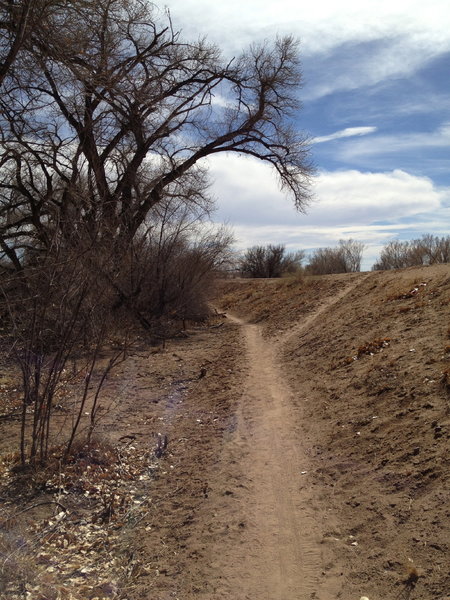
[
  {"x": 305, "y": 324},
  {"x": 357, "y": 380},
  {"x": 305, "y": 462},
  {"x": 277, "y": 558}
]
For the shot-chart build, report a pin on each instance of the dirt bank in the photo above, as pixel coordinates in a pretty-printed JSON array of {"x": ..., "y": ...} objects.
[{"x": 307, "y": 451}]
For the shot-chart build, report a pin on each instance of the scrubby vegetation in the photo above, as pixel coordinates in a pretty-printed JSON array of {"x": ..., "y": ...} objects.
[
  {"x": 427, "y": 250},
  {"x": 345, "y": 258},
  {"x": 103, "y": 193},
  {"x": 270, "y": 261}
]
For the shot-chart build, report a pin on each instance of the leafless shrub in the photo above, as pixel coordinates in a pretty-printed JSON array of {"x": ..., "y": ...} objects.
[
  {"x": 427, "y": 250},
  {"x": 270, "y": 261},
  {"x": 57, "y": 309},
  {"x": 346, "y": 258},
  {"x": 169, "y": 271}
]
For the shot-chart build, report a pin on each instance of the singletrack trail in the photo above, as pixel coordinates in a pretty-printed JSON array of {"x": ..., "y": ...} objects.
[
  {"x": 278, "y": 555},
  {"x": 280, "y": 562},
  {"x": 328, "y": 303}
]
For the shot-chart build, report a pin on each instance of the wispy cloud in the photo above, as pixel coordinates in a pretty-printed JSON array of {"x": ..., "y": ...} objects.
[
  {"x": 344, "y": 133},
  {"x": 381, "y": 40},
  {"x": 323, "y": 26},
  {"x": 398, "y": 142}
]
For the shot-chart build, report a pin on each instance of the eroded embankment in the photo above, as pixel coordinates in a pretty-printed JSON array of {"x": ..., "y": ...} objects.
[{"x": 370, "y": 376}]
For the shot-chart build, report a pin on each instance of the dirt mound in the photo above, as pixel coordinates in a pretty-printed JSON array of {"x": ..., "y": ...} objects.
[
  {"x": 306, "y": 457},
  {"x": 370, "y": 372}
]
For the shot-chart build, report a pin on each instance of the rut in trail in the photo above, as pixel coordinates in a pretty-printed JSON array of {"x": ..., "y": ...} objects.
[{"x": 277, "y": 559}]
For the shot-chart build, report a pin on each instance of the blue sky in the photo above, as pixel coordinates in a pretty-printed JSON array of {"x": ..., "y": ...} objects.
[{"x": 376, "y": 102}]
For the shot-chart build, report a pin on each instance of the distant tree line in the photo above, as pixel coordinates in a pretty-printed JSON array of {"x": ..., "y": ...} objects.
[
  {"x": 269, "y": 261},
  {"x": 346, "y": 257},
  {"x": 427, "y": 250},
  {"x": 274, "y": 261}
]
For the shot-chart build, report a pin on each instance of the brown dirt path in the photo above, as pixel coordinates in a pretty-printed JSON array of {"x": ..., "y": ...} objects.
[
  {"x": 366, "y": 359},
  {"x": 277, "y": 551},
  {"x": 304, "y": 324},
  {"x": 299, "y": 465},
  {"x": 277, "y": 557}
]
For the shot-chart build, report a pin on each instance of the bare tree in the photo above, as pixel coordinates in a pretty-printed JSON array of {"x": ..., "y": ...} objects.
[
  {"x": 125, "y": 111},
  {"x": 427, "y": 250},
  {"x": 101, "y": 125},
  {"x": 15, "y": 25},
  {"x": 352, "y": 253}
]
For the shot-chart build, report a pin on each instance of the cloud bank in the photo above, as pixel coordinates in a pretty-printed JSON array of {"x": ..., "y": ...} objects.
[
  {"x": 370, "y": 207},
  {"x": 378, "y": 41}
]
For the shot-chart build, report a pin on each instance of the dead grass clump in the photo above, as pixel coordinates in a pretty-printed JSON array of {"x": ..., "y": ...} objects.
[
  {"x": 17, "y": 568},
  {"x": 97, "y": 452},
  {"x": 412, "y": 293},
  {"x": 411, "y": 575},
  {"x": 94, "y": 459},
  {"x": 368, "y": 349},
  {"x": 445, "y": 380},
  {"x": 374, "y": 346}
]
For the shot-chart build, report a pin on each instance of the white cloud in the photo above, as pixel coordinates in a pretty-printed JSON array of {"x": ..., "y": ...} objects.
[
  {"x": 324, "y": 25},
  {"x": 356, "y": 197},
  {"x": 406, "y": 33},
  {"x": 248, "y": 193},
  {"x": 406, "y": 142},
  {"x": 344, "y": 133},
  {"x": 370, "y": 207}
]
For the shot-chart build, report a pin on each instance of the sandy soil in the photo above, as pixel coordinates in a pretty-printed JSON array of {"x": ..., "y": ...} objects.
[
  {"x": 308, "y": 446},
  {"x": 369, "y": 370}
]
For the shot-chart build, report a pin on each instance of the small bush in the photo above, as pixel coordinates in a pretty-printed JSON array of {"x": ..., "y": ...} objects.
[{"x": 374, "y": 346}]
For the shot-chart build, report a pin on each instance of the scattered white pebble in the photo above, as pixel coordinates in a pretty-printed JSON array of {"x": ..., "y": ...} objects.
[
  {"x": 364, "y": 598},
  {"x": 303, "y": 472}
]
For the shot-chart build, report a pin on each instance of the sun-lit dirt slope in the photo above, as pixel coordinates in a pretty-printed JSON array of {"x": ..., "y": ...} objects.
[{"x": 372, "y": 373}]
